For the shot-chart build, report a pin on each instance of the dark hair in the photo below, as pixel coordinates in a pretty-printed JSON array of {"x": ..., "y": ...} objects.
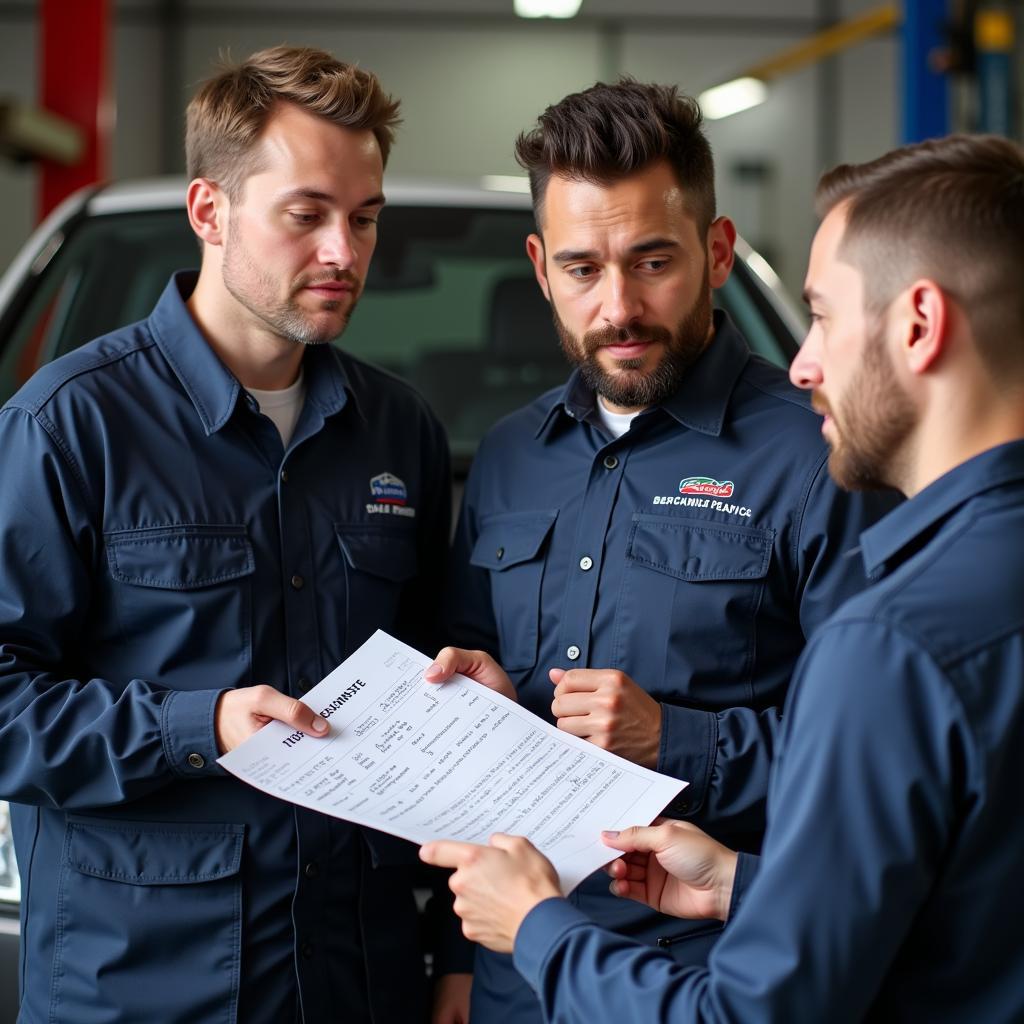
[
  {"x": 226, "y": 117},
  {"x": 609, "y": 131},
  {"x": 949, "y": 209}
]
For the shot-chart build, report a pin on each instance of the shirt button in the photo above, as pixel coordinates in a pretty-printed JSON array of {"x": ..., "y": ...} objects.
[
  {"x": 586, "y": 562},
  {"x": 197, "y": 760},
  {"x": 499, "y": 554},
  {"x": 610, "y": 461},
  {"x": 572, "y": 653},
  {"x": 304, "y": 684},
  {"x": 311, "y": 869},
  {"x": 297, "y": 582},
  {"x": 284, "y": 476}
]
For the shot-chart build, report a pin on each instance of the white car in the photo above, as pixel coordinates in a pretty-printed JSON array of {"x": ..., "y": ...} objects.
[{"x": 450, "y": 303}]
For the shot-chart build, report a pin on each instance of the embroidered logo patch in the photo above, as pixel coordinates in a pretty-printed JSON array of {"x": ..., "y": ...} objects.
[
  {"x": 388, "y": 488},
  {"x": 704, "y": 492},
  {"x": 390, "y": 497},
  {"x": 706, "y": 485}
]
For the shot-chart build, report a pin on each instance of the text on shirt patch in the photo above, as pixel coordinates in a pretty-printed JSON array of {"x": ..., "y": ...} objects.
[
  {"x": 390, "y": 496},
  {"x": 704, "y": 492}
]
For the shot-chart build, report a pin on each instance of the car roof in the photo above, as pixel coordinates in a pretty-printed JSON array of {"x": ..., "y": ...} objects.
[{"x": 499, "y": 191}]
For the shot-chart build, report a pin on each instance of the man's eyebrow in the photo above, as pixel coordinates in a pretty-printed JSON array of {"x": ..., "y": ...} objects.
[
  {"x": 652, "y": 245},
  {"x": 325, "y": 197},
  {"x": 571, "y": 255}
]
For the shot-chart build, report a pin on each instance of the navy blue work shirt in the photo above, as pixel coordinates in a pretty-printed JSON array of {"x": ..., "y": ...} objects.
[
  {"x": 696, "y": 553},
  {"x": 160, "y": 546},
  {"x": 889, "y": 884}
]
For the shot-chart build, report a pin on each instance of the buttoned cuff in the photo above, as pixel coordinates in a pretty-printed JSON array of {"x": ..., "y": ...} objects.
[
  {"x": 689, "y": 741},
  {"x": 746, "y": 871},
  {"x": 541, "y": 931},
  {"x": 189, "y": 736}
]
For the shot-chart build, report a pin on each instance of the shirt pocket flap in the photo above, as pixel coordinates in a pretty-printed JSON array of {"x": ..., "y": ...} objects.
[
  {"x": 387, "y": 553},
  {"x": 179, "y": 557},
  {"x": 153, "y": 853},
  {"x": 696, "y": 550},
  {"x": 508, "y": 540}
]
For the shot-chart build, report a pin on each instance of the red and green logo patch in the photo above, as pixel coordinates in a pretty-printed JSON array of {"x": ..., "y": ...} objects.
[{"x": 706, "y": 485}]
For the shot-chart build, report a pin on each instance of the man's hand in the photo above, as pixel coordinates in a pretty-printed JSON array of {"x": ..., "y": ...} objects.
[
  {"x": 495, "y": 886},
  {"x": 242, "y": 712},
  {"x": 606, "y": 707},
  {"x": 476, "y": 665},
  {"x": 675, "y": 868},
  {"x": 451, "y": 999}
]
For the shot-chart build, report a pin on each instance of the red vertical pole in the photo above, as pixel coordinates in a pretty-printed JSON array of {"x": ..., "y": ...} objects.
[{"x": 74, "y": 84}]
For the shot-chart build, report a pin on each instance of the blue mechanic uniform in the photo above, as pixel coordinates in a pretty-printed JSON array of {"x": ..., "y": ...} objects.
[
  {"x": 696, "y": 553},
  {"x": 889, "y": 885},
  {"x": 159, "y": 546}
]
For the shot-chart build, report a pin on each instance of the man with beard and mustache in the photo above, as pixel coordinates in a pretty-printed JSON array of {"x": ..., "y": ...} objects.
[
  {"x": 193, "y": 534},
  {"x": 888, "y": 886},
  {"x": 647, "y": 550}
]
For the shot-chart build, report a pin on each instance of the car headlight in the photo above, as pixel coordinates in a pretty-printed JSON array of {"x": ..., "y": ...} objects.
[{"x": 10, "y": 882}]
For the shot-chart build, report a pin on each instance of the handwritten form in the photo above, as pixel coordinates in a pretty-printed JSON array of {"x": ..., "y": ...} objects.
[{"x": 455, "y": 761}]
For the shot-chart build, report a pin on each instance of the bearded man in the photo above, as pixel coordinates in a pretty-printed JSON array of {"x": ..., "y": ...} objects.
[
  {"x": 647, "y": 550},
  {"x": 887, "y": 888}
]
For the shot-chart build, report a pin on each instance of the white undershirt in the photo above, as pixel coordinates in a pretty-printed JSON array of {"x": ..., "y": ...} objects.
[
  {"x": 283, "y": 406},
  {"x": 616, "y": 423}
]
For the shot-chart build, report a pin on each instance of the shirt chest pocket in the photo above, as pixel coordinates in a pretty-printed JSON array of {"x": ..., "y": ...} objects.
[
  {"x": 182, "y": 596},
  {"x": 692, "y": 589},
  {"x": 512, "y": 547}
]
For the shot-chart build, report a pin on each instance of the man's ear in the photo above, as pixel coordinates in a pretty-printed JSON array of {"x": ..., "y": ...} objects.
[
  {"x": 923, "y": 318},
  {"x": 535, "y": 250},
  {"x": 207, "y": 209},
  {"x": 721, "y": 250}
]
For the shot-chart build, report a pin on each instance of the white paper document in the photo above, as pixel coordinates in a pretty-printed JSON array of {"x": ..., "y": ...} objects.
[{"x": 453, "y": 761}]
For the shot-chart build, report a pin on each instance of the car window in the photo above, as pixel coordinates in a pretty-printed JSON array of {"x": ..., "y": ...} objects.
[{"x": 450, "y": 304}]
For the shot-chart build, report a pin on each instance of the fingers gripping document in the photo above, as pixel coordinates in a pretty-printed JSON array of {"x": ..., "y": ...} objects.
[{"x": 452, "y": 761}]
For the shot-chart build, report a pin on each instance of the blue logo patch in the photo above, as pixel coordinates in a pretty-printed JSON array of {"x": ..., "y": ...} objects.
[{"x": 388, "y": 489}]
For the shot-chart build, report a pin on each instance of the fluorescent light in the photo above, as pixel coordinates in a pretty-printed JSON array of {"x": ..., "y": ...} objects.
[
  {"x": 731, "y": 98},
  {"x": 505, "y": 183},
  {"x": 547, "y": 8}
]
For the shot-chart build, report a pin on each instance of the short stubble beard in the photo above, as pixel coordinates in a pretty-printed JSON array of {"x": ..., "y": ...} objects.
[
  {"x": 629, "y": 386},
  {"x": 252, "y": 288},
  {"x": 872, "y": 423}
]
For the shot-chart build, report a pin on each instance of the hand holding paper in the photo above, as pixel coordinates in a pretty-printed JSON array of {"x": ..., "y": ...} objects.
[
  {"x": 453, "y": 761},
  {"x": 495, "y": 886}
]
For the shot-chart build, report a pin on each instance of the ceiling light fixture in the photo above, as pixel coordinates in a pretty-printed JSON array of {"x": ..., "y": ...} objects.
[
  {"x": 732, "y": 97},
  {"x": 547, "y": 8}
]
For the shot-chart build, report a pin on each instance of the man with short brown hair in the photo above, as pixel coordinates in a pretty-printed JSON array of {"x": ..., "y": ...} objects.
[{"x": 190, "y": 541}]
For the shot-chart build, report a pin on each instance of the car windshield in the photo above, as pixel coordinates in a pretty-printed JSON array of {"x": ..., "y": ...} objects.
[{"x": 450, "y": 304}]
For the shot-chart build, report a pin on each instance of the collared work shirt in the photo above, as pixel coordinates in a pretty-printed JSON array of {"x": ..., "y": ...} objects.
[
  {"x": 889, "y": 886},
  {"x": 696, "y": 553},
  {"x": 160, "y": 546}
]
